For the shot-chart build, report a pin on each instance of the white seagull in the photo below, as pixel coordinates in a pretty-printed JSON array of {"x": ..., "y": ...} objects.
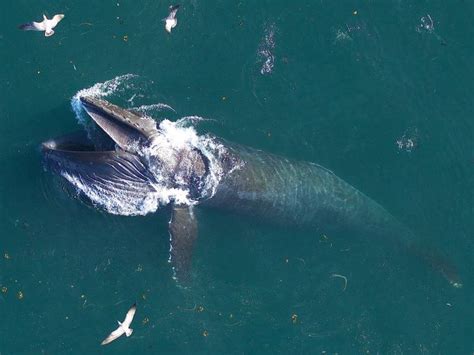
[
  {"x": 124, "y": 327},
  {"x": 171, "y": 21},
  {"x": 45, "y": 25}
]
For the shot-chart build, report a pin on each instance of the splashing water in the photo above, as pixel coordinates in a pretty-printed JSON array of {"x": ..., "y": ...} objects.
[
  {"x": 409, "y": 141},
  {"x": 100, "y": 90},
  {"x": 170, "y": 138},
  {"x": 427, "y": 26},
  {"x": 426, "y": 23},
  {"x": 173, "y": 138}
]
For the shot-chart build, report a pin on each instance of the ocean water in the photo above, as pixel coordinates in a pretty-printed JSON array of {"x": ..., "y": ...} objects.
[{"x": 380, "y": 92}]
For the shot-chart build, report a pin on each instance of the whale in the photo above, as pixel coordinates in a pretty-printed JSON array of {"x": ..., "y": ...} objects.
[{"x": 140, "y": 165}]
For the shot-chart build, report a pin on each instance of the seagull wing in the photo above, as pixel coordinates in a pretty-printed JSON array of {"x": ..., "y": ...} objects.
[
  {"x": 55, "y": 20},
  {"x": 173, "y": 11},
  {"x": 112, "y": 336},
  {"x": 32, "y": 26},
  {"x": 129, "y": 317}
]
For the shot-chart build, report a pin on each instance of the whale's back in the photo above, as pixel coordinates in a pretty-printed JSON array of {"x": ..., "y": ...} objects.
[
  {"x": 298, "y": 193},
  {"x": 278, "y": 190}
]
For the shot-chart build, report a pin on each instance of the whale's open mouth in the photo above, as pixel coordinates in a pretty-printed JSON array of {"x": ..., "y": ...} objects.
[
  {"x": 78, "y": 141},
  {"x": 120, "y": 134},
  {"x": 118, "y": 127},
  {"x": 107, "y": 167},
  {"x": 69, "y": 145}
]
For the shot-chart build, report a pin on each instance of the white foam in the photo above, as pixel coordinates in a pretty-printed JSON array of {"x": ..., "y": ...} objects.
[
  {"x": 266, "y": 48},
  {"x": 426, "y": 24},
  {"x": 409, "y": 141},
  {"x": 173, "y": 138}
]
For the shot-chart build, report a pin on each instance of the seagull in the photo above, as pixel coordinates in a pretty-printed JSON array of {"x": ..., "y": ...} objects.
[
  {"x": 124, "y": 327},
  {"x": 45, "y": 25},
  {"x": 171, "y": 21}
]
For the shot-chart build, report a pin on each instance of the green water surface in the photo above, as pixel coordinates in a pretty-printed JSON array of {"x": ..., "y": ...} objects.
[{"x": 349, "y": 80}]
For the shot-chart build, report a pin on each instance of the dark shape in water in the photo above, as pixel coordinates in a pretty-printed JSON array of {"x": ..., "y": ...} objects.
[{"x": 255, "y": 183}]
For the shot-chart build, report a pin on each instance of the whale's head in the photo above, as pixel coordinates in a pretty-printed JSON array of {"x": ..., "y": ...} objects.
[{"x": 129, "y": 165}]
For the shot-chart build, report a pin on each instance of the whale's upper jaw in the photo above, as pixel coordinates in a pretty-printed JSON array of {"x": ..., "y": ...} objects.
[
  {"x": 124, "y": 127},
  {"x": 125, "y": 132}
]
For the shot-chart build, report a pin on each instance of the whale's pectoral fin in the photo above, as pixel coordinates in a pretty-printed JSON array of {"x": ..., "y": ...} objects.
[{"x": 183, "y": 232}]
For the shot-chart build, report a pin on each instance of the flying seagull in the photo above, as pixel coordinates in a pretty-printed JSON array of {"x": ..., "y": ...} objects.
[
  {"x": 124, "y": 327},
  {"x": 171, "y": 21},
  {"x": 45, "y": 25}
]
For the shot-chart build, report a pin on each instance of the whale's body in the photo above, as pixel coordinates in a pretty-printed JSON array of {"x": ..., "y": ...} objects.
[
  {"x": 298, "y": 193},
  {"x": 251, "y": 182}
]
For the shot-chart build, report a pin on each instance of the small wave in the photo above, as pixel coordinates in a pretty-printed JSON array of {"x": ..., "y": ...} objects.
[
  {"x": 426, "y": 24},
  {"x": 150, "y": 110},
  {"x": 409, "y": 141},
  {"x": 191, "y": 120},
  {"x": 341, "y": 35},
  {"x": 154, "y": 110},
  {"x": 266, "y": 48}
]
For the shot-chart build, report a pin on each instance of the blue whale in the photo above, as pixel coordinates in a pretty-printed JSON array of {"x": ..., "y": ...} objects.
[{"x": 141, "y": 161}]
